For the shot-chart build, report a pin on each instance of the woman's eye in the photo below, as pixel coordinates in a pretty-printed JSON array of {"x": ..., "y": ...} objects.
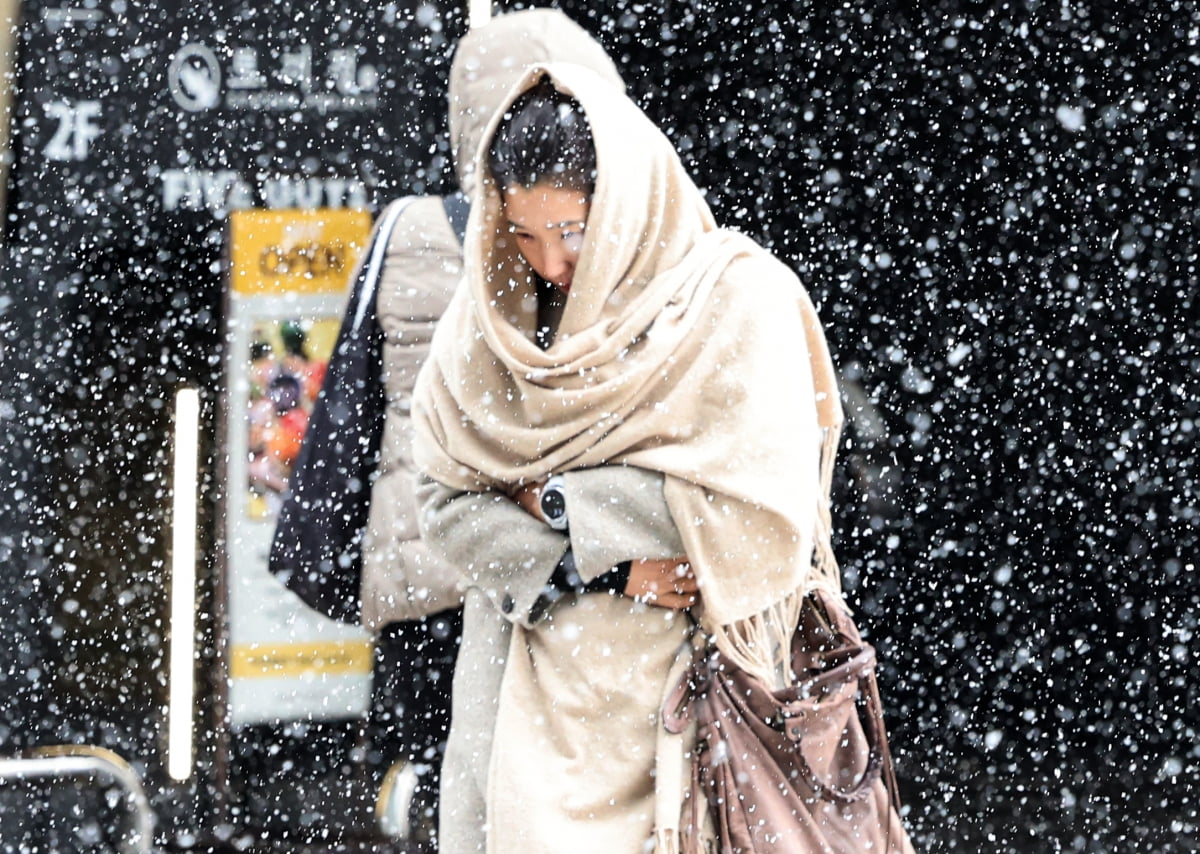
[{"x": 573, "y": 241}]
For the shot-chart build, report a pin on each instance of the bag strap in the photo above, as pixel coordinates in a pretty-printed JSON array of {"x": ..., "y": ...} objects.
[
  {"x": 458, "y": 209},
  {"x": 875, "y": 703},
  {"x": 876, "y": 747},
  {"x": 838, "y": 622},
  {"x": 677, "y": 707},
  {"x": 368, "y": 274}
]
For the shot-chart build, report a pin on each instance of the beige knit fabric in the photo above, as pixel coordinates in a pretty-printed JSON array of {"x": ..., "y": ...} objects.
[{"x": 683, "y": 349}]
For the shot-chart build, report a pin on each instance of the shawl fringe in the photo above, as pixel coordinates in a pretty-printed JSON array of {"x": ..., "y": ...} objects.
[{"x": 762, "y": 644}]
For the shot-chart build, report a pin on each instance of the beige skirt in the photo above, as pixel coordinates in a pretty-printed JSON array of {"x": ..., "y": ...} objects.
[{"x": 573, "y": 760}]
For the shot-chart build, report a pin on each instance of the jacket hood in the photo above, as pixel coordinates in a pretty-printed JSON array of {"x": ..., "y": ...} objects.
[{"x": 491, "y": 59}]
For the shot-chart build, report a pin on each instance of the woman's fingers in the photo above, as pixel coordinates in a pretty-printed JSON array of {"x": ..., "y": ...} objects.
[
  {"x": 672, "y": 573},
  {"x": 667, "y": 583},
  {"x": 683, "y": 581},
  {"x": 527, "y": 497},
  {"x": 675, "y": 601}
]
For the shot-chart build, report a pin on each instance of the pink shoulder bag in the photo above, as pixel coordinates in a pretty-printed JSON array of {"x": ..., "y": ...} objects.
[{"x": 803, "y": 769}]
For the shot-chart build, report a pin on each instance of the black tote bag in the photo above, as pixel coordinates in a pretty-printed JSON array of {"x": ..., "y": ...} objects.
[{"x": 316, "y": 551}]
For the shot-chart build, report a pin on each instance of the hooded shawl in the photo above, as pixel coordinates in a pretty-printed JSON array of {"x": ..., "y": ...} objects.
[
  {"x": 683, "y": 348},
  {"x": 489, "y": 60}
]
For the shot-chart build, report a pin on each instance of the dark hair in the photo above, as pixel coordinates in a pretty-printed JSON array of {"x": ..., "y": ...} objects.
[{"x": 544, "y": 136}]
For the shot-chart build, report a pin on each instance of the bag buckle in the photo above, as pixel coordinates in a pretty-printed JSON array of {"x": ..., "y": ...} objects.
[{"x": 790, "y": 721}]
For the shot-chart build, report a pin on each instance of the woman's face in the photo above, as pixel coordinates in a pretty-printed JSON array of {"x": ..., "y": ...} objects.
[{"x": 548, "y": 223}]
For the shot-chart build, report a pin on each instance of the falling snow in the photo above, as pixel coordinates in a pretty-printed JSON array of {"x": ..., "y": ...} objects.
[{"x": 993, "y": 206}]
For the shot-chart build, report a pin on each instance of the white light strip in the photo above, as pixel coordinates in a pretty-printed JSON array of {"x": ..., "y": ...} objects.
[
  {"x": 479, "y": 12},
  {"x": 183, "y": 585}
]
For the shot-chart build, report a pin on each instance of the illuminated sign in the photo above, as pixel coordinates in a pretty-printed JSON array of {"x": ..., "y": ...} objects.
[{"x": 200, "y": 79}]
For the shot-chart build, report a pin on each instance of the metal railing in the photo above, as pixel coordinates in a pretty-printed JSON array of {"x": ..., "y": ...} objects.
[{"x": 79, "y": 761}]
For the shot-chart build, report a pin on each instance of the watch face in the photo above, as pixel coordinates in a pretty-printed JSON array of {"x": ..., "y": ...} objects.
[{"x": 554, "y": 503}]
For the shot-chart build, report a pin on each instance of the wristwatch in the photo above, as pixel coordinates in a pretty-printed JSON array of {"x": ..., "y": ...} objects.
[{"x": 553, "y": 501}]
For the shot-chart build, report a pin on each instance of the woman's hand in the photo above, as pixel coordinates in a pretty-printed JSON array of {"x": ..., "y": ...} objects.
[
  {"x": 529, "y": 497},
  {"x": 666, "y": 583}
]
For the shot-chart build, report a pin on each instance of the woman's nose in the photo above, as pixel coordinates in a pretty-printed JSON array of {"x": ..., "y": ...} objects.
[{"x": 558, "y": 260}]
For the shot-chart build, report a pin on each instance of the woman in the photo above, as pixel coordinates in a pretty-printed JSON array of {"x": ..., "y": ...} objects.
[{"x": 616, "y": 385}]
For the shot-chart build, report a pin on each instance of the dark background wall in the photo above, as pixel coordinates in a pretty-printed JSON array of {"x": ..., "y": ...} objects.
[
  {"x": 129, "y": 151},
  {"x": 995, "y": 209}
]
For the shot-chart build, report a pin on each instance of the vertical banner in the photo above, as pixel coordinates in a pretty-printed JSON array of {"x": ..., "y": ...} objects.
[{"x": 289, "y": 273}]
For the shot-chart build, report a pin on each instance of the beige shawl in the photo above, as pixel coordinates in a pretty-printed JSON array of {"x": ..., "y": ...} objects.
[
  {"x": 490, "y": 58},
  {"x": 683, "y": 349}
]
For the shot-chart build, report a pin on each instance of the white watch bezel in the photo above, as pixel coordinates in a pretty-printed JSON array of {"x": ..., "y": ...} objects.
[{"x": 556, "y": 484}]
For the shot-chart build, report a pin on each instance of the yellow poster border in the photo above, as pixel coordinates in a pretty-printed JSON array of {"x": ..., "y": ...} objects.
[
  {"x": 289, "y": 660},
  {"x": 278, "y": 252}
]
